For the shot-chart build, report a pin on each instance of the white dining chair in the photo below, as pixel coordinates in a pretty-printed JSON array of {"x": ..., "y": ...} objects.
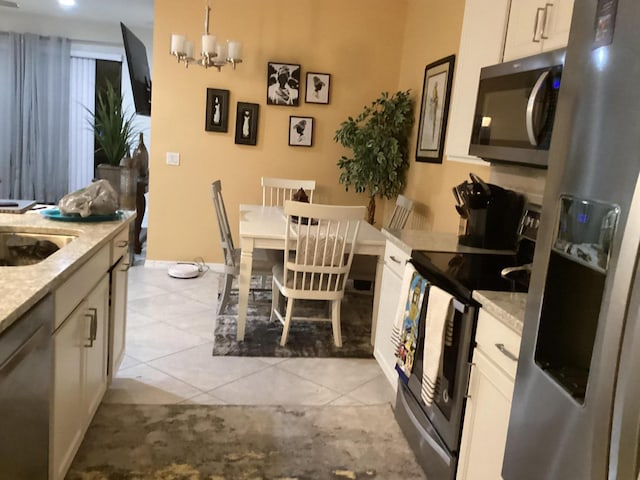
[
  {"x": 317, "y": 257},
  {"x": 401, "y": 213},
  {"x": 275, "y": 191},
  {"x": 364, "y": 266},
  {"x": 262, "y": 266}
]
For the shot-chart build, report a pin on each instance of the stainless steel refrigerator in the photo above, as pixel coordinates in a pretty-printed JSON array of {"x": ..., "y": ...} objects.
[{"x": 576, "y": 408}]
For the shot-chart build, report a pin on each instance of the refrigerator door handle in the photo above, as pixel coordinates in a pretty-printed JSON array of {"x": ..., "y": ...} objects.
[{"x": 535, "y": 91}]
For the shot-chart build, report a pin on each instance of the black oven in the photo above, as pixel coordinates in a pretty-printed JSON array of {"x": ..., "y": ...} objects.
[{"x": 434, "y": 431}]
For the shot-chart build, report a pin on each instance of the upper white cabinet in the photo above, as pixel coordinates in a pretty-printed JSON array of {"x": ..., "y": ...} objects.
[
  {"x": 537, "y": 26},
  {"x": 483, "y": 32}
]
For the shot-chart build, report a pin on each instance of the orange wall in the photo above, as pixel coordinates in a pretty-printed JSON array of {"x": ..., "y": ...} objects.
[{"x": 366, "y": 45}]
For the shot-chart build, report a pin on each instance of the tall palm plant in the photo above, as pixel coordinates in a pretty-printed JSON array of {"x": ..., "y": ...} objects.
[{"x": 112, "y": 127}]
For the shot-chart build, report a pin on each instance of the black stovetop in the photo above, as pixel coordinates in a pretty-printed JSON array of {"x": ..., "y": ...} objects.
[{"x": 461, "y": 273}]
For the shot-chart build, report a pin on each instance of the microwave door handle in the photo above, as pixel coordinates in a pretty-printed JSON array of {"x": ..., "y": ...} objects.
[{"x": 531, "y": 105}]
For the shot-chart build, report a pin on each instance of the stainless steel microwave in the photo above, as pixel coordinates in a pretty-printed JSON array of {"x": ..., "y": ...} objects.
[{"x": 515, "y": 109}]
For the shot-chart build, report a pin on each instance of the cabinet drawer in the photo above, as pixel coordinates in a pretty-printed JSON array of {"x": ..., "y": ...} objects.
[
  {"x": 498, "y": 342},
  {"x": 395, "y": 258},
  {"x": 120, "y": 246},
  {"x": 70, "y": 293}
]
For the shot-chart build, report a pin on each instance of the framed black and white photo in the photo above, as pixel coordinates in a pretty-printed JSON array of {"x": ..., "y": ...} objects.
[
  {"x": 247, "y": 123},
  {"x": 217, "y": 118},
  {"x": 434, "y": 110},
  {"x": 283, "y": 84},
  {"x": 300, "y": 131},
  {"x": 317, "y": 88}
]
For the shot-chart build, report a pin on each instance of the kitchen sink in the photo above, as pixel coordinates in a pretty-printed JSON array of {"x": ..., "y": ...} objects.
[{"x": 21, "y": 248}]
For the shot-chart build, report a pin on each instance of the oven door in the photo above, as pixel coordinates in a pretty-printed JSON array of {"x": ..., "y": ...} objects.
[{"x": 446, "y": 411}]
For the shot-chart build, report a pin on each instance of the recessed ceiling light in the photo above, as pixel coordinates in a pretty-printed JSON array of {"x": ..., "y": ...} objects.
[{"x": 67, "y": 3}]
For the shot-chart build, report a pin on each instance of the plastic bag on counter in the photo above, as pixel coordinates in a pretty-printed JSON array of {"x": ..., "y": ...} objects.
[{"x": 99, "y": 198}]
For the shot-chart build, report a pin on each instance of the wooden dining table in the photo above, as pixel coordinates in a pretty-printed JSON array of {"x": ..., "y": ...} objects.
[{"x": 264, "y": 227}]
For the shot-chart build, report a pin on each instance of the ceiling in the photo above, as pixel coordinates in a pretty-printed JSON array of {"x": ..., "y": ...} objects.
[{"x": 134, "y": 13}]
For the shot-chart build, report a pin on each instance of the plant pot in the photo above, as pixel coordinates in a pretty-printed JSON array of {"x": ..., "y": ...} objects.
[{"x": 124, "y": 182}]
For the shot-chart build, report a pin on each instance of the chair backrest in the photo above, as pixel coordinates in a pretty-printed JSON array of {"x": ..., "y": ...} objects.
[
  {"x": 400, "y": 213},
  {"x": 226, "y": 240},
  {"x": 319, "y": 247},
  {"x": 275, "y": 191}
]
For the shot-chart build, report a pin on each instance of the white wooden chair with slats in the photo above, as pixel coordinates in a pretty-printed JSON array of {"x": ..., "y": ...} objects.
[
  {"x": 275, "y": 191},
  {"x": 261, "y": 264},
  {"x": 318, "y": 255},
  {"x": 364, "y": 267}
]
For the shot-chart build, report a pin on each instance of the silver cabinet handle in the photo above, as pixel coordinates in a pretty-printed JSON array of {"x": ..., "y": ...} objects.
[
  {"x": 505, "y": 352},
  {"x": 394, "y": 259},
  {"x": 471, "y": 365},
  {"x": 535, "y": 91},
  {"x": 536, "y": 28},
  {"x": 122, "y": 244},
  {"x": 545, "y": 21},
  {"x": 93, "y": 326}
]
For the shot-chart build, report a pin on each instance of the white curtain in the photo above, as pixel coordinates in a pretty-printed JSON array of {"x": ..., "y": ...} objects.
[
  {"x": 82, "y": 94},
  {"x": 35, "y": 139}
]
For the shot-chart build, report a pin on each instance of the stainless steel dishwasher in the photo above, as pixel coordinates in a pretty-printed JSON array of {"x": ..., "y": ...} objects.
[{"x": 25, "y": 386}]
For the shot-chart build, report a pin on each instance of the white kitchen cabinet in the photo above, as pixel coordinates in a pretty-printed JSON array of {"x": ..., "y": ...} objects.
[
  {"x": 481, "y": 44},
  {"x": 90, "y": 318},
  {"x": 119, "y": 281},
  {"x": 79, "y": 374},
  {"x": 537, "y": 26},
  {"x": 491, "y": 384},
  {"x": 395, "y": 259}
]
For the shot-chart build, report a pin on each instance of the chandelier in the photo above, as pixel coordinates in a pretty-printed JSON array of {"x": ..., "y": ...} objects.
[{"x": 213, "y": 53}]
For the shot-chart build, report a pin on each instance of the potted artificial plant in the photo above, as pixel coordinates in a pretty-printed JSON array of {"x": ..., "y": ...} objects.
[
  {"x": 379, "y": 139},
  {"x": 113, "y": 131}
]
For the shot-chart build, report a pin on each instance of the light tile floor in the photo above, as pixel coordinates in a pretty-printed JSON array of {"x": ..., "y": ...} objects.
[{"x": 168, "y": 356}]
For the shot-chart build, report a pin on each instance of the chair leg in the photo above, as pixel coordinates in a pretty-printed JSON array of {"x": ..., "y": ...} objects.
[
  {"x": 287, "y": 322},
  {"x": 275, "y": 300},
  {"x": 224, "y": 295},
  {"x": 335, "y": 321}
]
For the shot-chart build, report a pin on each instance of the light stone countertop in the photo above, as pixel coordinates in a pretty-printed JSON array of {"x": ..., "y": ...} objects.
[
  {"x": 508, "y": 307},
  {"x": 505, "y": 306},
  {"x": 22, "y": 287}
]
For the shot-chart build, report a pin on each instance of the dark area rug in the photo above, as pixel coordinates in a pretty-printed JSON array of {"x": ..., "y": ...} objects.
[
  {"x": 306, "y": 339},
  {"x": 202, "y": 442}
]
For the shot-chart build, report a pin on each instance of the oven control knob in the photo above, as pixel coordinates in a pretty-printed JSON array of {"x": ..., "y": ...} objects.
[{"x": 445, "y": 396}]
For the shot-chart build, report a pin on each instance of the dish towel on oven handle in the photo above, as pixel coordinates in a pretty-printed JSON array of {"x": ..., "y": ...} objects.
[
  {"x": 404, "y": 335},
  {"x": 439, "y": 317}
]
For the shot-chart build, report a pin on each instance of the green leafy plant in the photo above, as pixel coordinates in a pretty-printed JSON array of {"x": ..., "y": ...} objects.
[
  {"x": 379, "y": 139},
  {"x": 112, "y": 127}
]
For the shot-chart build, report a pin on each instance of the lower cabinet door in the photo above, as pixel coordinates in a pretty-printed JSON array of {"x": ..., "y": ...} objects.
[
  {"x": 384, "y": 351},
  {"x": 68, "y": 382},
  {"x": 95, "y": 351},
  {"x": 486, "y": 421}
]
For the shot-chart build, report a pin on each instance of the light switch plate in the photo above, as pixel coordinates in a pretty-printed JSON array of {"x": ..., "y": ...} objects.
[{"x": 173, "y": 158}]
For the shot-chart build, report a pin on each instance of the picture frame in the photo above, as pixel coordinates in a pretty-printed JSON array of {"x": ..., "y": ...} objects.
[
  {"x": 318, "y": 88},
  {"x": 217, "y": 111},
  {"x": 300, "y": 131},
  {"x": 283, "y": 84},
  {"x": 434, "y": 110},
  {"x": 247, "y": 123}
]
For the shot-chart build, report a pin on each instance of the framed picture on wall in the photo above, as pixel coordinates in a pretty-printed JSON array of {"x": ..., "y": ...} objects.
[
  {"x": 434, "y": 110},
  {"x": 300, "y": 131},
  {"x": 283, "y": 84},
  {"x": 217, "y": 111},
  {"x": 317, "y": 88},
  {"x": 247, "y": 123}
]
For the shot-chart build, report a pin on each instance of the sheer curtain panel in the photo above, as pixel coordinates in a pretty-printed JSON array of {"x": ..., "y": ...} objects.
[{"x": 35, "y": 126}]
